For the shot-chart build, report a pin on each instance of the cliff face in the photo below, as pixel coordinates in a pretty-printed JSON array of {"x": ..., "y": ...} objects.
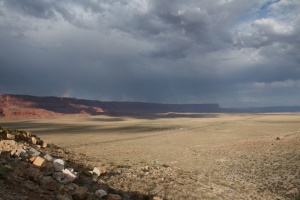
[{"x": 24, "y": 105}]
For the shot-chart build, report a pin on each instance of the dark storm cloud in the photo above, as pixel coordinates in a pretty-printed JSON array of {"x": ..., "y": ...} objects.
[
  {"x": 36, "y": 8},
  {"x": 233, "y": 52}
]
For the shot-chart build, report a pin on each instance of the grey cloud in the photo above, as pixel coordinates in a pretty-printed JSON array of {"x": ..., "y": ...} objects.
[
  {"x": 158, "y": 51},
  {"x": 51, "y": 9},
  {"x": 206, "y": 24},
  {"x": 36, "y": 8}
]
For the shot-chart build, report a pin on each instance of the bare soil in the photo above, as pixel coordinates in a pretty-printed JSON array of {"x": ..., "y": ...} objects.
[{"x": 185, "y": 156}]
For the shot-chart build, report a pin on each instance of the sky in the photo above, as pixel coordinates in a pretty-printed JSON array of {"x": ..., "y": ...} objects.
[{"x": 237, "y": 53}]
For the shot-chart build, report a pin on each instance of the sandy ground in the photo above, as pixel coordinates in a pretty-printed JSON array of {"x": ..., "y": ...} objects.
[{"x": 247, "y": 156}]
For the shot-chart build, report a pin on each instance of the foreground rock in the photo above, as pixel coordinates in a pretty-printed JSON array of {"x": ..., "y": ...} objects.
[{"x": 48, "y": 172}]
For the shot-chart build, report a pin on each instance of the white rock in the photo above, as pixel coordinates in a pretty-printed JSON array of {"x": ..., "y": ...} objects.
[
  {"x": 34, "y": 140},
  {"x": 96, "y": 171},
  {"x": 49, "y": 158},
  {"x": 69, "y": 175},
  {"x": 59, "y": 165},
  {"x": 100, "y": 193}
]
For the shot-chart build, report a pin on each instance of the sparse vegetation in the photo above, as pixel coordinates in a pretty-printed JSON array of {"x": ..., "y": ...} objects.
[
  {"x": 165, "y": 165},
  {"x": 225, "y": 157}
]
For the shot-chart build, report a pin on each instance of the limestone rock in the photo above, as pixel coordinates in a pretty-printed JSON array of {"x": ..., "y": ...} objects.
[
  {"x": 69, "y": 175},
  {"x": 39, "y": 161},
  {"x": 96, "y": 170},
  {"x": 59, "y": 165},
  {"x": 80, "y": 193},
  {"x": 34, "y": 140}
]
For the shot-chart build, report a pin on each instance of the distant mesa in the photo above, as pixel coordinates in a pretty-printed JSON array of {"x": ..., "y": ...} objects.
[{"x": 33, "y": 106}]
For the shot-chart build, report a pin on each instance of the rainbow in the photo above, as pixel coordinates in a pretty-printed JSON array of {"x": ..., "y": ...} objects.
[{"x": 67, "y": 93}]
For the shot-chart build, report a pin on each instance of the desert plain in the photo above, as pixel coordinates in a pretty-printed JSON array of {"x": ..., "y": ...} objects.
[{"x": 185, "y": 155}]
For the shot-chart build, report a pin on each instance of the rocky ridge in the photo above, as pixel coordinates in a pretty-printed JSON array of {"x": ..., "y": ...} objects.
[
  {"x": 12, "y": 106},
  {"x": 32, "y": 169}
]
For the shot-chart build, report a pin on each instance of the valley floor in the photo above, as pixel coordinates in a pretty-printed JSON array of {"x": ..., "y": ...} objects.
[{"x": 186, "y": 156}]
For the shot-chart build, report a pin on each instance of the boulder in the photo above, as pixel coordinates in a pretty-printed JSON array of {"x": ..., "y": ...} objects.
[
  {"x": 39, "y": 161},
  {"x": 69, "y": 175},
  {"x": 59, "y": 165},
  {"x": 100, "y": 193},
  {"x": 33, "y": 152},
  {"x": 49, "y": 158}
]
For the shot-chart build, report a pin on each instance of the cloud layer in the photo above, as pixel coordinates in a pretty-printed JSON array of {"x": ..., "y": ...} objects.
[{"x": 231, "y": 52}]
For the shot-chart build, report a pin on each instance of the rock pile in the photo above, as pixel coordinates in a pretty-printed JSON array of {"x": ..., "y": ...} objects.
[{"x": 24, "y": 161}]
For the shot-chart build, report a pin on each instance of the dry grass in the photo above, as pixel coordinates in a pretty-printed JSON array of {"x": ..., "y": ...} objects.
[{"x": 213, "y": 156}]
